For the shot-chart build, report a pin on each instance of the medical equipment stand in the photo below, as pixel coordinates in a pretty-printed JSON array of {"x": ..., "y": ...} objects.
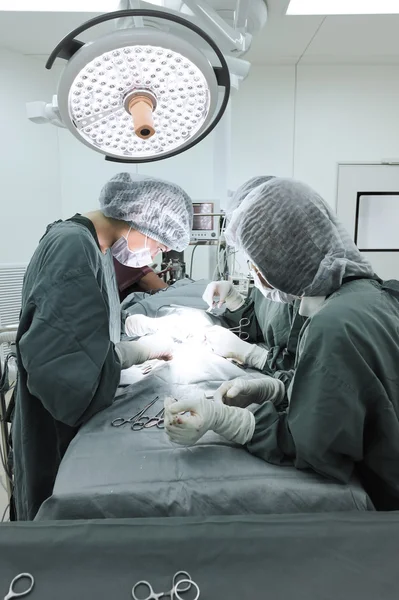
[
  {"x": 173, "y": 265},
  {"x": 8, "y": 335}
]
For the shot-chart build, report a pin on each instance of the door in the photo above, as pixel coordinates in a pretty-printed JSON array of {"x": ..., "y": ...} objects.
[{"x": 368, "y": 206}]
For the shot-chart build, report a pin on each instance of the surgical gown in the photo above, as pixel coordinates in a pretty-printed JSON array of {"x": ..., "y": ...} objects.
[
  {"x": 277, "y": 326},
  {"x": 344, "y": 397},
  {"x": 68, "y": 368}
]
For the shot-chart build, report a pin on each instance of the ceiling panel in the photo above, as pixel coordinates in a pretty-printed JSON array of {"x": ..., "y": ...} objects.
[
  {"x": 38, "y": 33},
  {"x": 284, "y": 40},
  {"x": 363, "y": 39}
]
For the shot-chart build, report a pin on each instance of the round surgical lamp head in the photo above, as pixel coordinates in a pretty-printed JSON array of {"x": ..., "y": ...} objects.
[
  {"x": 137, "y": 93},
  {"x": 140, "y": 94}
]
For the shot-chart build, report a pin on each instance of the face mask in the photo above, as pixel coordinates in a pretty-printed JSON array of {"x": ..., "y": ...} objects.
[
  {"x": 131, "y": 258},
  {"x": 272, "y": 294}
]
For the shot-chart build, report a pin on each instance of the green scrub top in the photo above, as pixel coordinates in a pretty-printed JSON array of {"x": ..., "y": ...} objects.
[
  {"x": 68, "y": 368},
  {"x": 274, "y": 324},
  {"x": 344, "y": 398}
]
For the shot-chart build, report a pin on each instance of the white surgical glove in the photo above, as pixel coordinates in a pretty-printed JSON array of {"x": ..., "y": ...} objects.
[
  {"x": 178, "y": 326},
  {"x": 227, "y": 344},
  {"x": 140, "y": 325},
  {"x": 202, "y": 415},
  {"x": 149, "y": 347},
  {"x": 225, "y": 292},
  {"x": 243, "y": 392}
]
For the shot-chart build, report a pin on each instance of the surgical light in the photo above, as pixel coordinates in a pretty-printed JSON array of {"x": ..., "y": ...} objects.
[
  {"x": 137, "y": 100},
  {"x": 139, "y": 94}
]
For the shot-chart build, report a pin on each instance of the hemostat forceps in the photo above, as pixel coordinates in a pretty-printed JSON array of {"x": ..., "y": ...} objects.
[
  {"x": 243, "y": 335},
  {"x": 119, "y": 421}
]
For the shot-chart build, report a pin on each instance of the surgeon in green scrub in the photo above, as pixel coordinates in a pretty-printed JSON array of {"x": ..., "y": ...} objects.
[
  {"x": 274, "y": 319},
  {"x": 68, "y": 344},
  {"x": 343, "y": 401}
]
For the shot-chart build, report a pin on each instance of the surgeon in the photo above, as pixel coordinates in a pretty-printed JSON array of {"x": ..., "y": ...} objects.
[
  {"x": 68, "y": 344},
  {"x": 342, "y": 416},
  {"x": 273, "y": 316}
]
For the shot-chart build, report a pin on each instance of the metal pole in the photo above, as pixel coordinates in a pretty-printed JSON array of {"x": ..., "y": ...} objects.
[
  {"x": 214, "y": 22},
  {"x": 8, "y": 334},
  {"x": 4, "y": 435}
]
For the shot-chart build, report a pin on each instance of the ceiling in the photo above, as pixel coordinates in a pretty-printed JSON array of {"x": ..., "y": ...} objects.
[
  {"x": 284, "y": 40},
  {"x": 325, "y": 40}
]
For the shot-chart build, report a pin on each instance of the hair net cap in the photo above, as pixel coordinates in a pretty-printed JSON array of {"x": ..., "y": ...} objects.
[
  {"x": 242, "y": 192},
  {"x": 237, "y": 199},
  {"x": 295, "y": 239},
  {"x": 159, "y": 209}
]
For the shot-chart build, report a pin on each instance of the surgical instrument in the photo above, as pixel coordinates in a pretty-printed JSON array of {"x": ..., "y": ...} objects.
[
  {"x": 146, "y": 422},
  {"x": 119, "y": 421},
  {"x": 178, "y": 585},
  {"x": 215, "y": 311},
  {"x": 243, "y": 335},
  {"x": 13, "y": 594}
]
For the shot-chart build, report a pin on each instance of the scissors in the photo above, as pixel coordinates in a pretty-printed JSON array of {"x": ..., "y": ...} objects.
[
  {"x": 12, "y": 594},
  {"x": 145, "y": 422},
  {"x": 243, "y": 335},
  {"x": 178, "y": 585},
  {"x": 119, "y": 421}
]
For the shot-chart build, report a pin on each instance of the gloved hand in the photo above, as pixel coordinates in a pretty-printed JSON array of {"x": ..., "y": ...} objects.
[
  {"x": 177, "y": 326},
  {"x": 148, "y": 347},
  {"x": 140, "y": 325},
  {"x": 243, "y": 392},
  {"x": 226, "y": 292},
  {"x": 201, "y": 415},
  {"x": 227, "y": 344}
]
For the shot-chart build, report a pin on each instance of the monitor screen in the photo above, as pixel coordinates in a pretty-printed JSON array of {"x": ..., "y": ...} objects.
[{"x": 202, "y": 223}]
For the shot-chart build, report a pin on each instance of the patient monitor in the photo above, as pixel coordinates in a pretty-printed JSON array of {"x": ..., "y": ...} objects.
[{"x": 205, "y": 223}]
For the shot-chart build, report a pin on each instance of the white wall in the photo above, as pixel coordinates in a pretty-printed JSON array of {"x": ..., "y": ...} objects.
[
  {"x": 30, "y": 191},
  {"x": 304, "y": 128},
  {"x": 344, "y": 113},
  {"x": 263, "y": 124},
  {"x": 84, "y": 172},
  {"x": 263, "y": 114}
]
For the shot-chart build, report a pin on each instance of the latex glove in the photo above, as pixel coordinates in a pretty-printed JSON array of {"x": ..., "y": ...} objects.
[
  {"x": 243, "y": 392},
  {"x": 178, "y": 326},
  {"x": 202, "y": 415},
  {"x": 168, "y": 325},
  {"x": 140, "y": 325},
  {"x": 225, "y": 343},
  {"x": 226, "y": 292},
  {"x": 148, "y": 347}
]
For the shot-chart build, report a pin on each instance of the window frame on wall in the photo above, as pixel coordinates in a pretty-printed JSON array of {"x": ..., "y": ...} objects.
[{"x": 358, "y": 198}]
